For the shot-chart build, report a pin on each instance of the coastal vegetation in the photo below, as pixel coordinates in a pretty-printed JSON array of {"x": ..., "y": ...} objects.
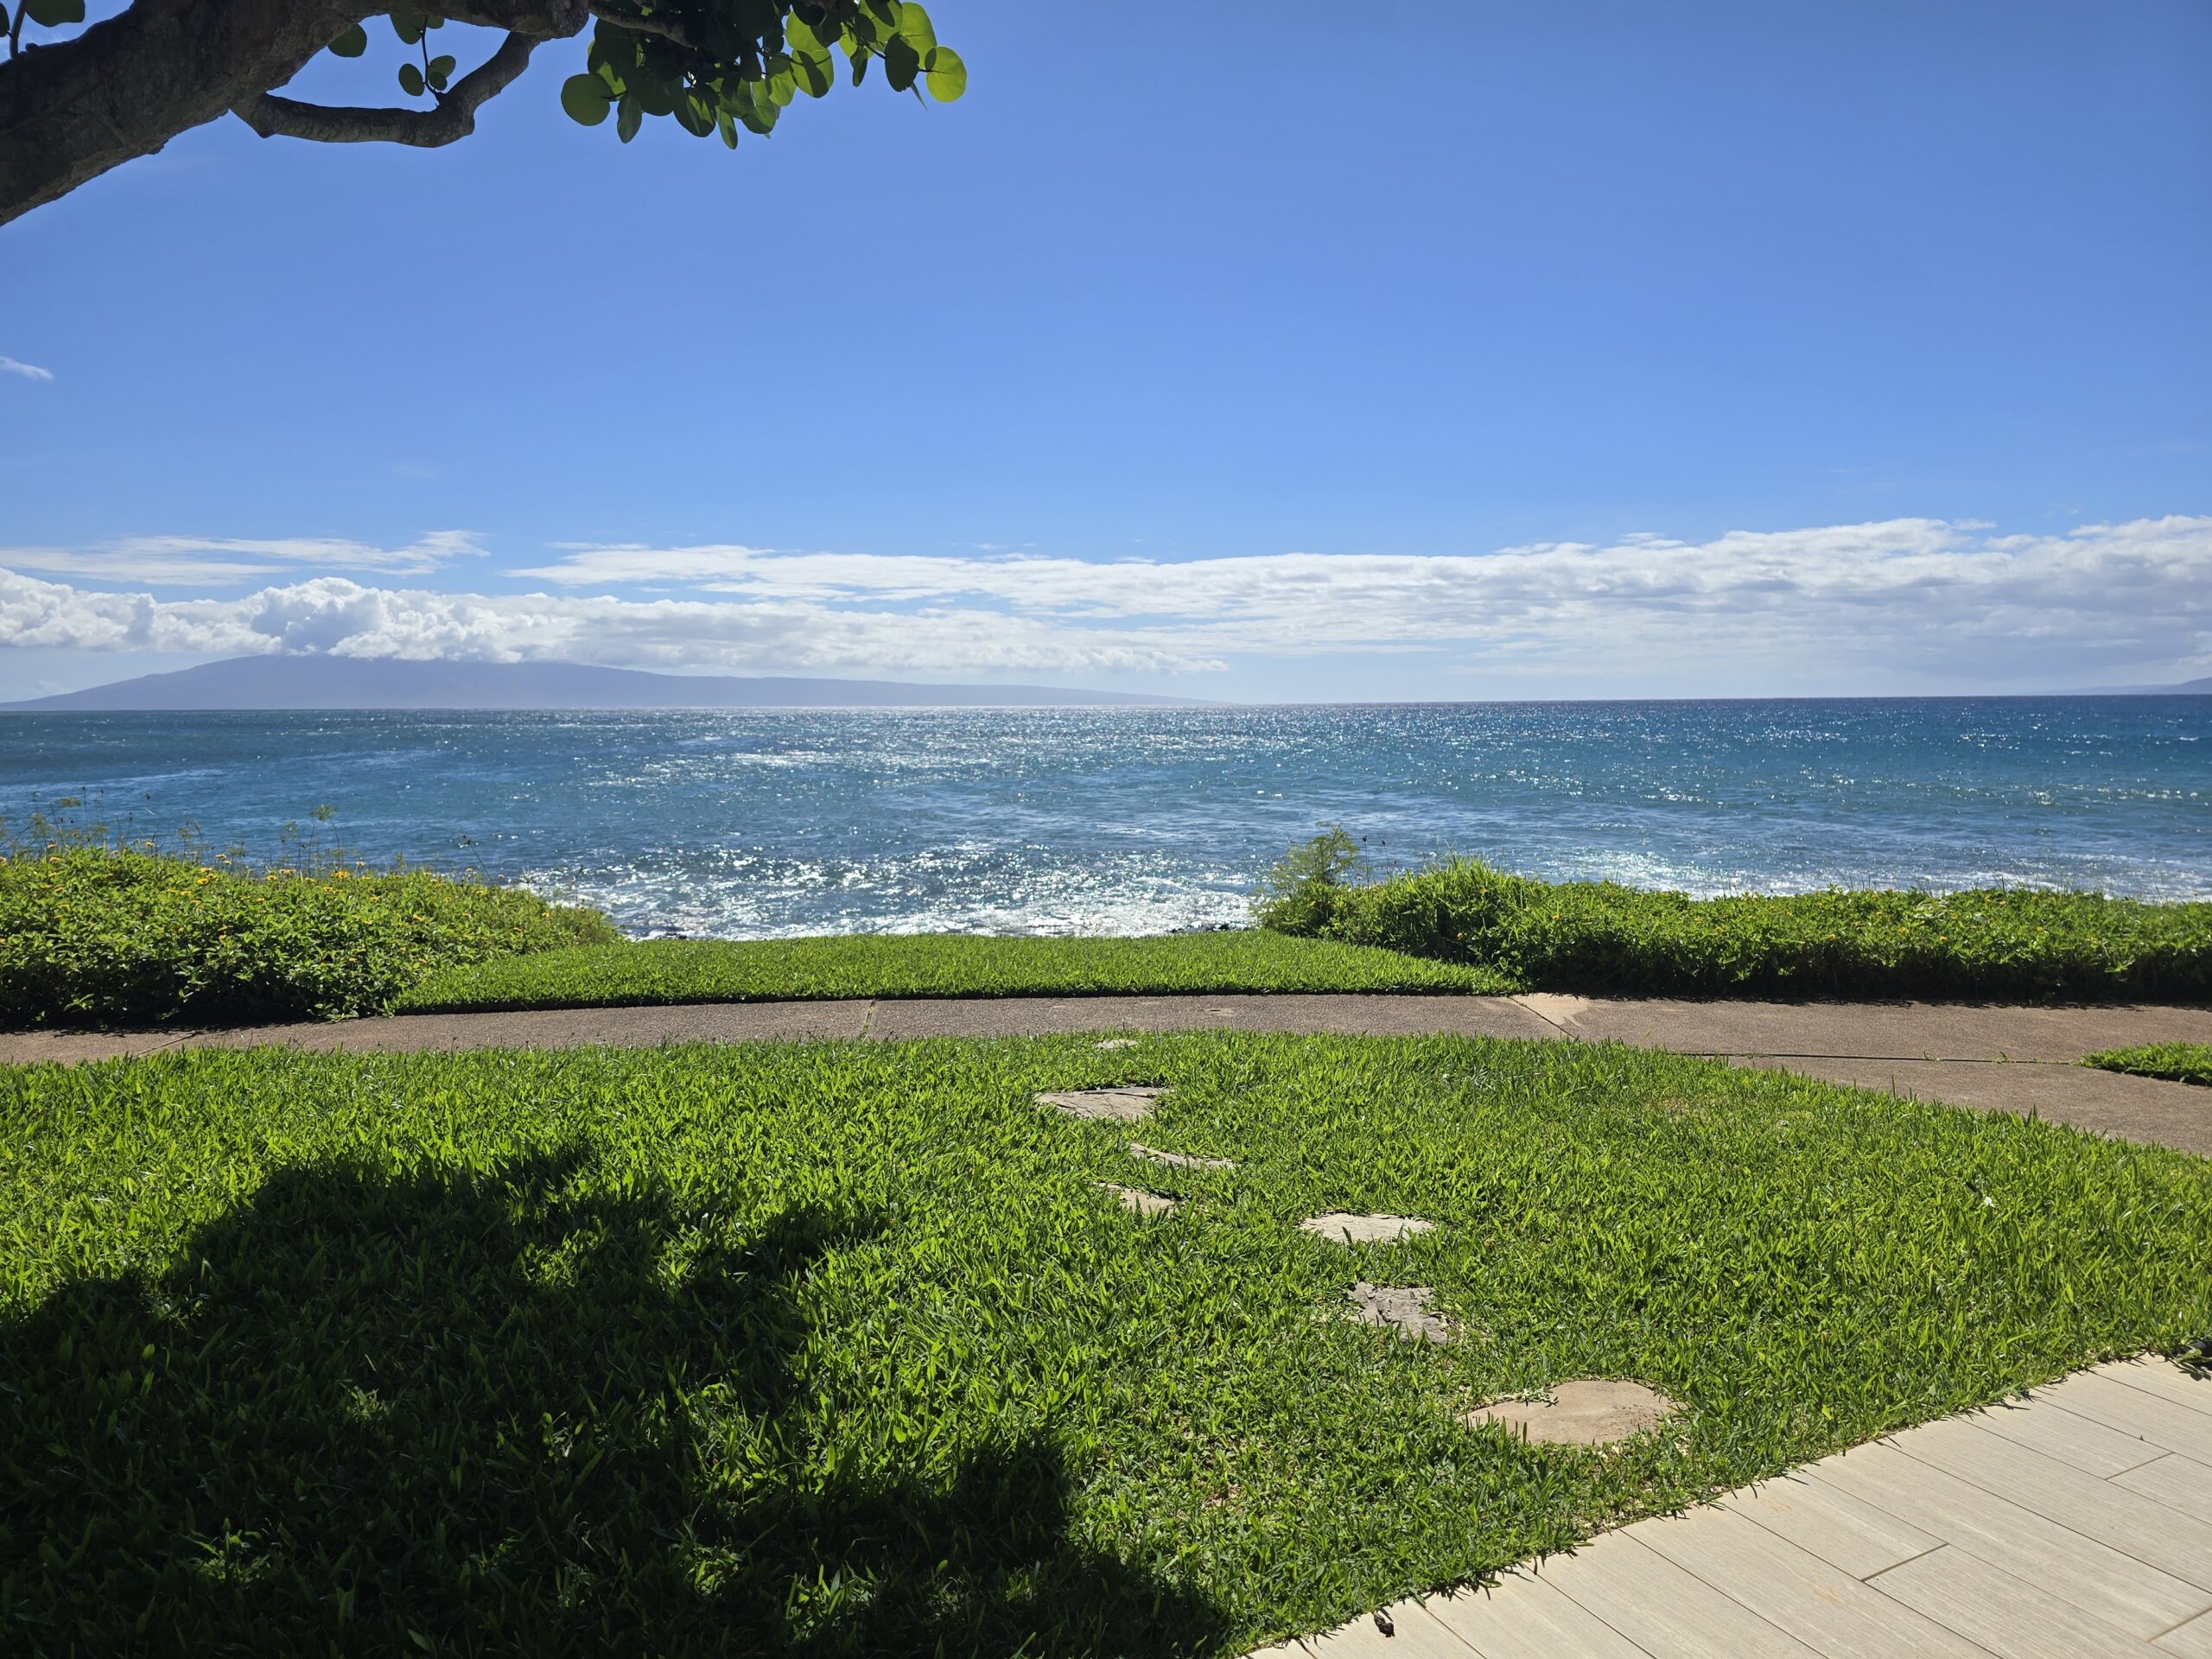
[
  {"x": 96, "y": 931},
  {"x": 2176, "y": 1062},
  {"x": 933, "y": 964},
  {"x": 1598, "y": 936},
  {"x": 106, "y": 935},
  {"x": 841, "y": 1349}
]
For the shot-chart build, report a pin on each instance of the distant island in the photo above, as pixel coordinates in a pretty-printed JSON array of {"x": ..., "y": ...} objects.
[
  {"x": 2187, "y": 689},
  {"x": 246, "y": 682}
]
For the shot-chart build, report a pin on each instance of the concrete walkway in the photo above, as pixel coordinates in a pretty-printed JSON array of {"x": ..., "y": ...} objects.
[
  {"x": 1994, "y": 1057},
  {"x": 2075, "y": 1523}
]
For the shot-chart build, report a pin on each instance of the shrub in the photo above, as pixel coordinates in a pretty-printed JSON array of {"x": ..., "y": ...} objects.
[
  {"x": 1301, "y": 893},
  {"x": 2176, "y": 1062},
  {"x": 1597, "y": 935},
  {"x": 92, "y": 935}
]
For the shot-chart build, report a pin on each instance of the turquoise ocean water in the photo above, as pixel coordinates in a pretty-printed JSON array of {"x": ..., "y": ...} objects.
[{"x": 757, "y": 823}]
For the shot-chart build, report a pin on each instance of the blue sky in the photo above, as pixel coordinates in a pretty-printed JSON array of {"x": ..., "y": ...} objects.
[{"x": 1569, "y": 349}]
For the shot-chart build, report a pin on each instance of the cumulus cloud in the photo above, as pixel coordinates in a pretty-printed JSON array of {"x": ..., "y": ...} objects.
[
  {"x": 345, "y": 619},
  {"x": 28, "y": 371},
  {"x": 215, "y": 562},
  {"x": 1947, "y": 600}
]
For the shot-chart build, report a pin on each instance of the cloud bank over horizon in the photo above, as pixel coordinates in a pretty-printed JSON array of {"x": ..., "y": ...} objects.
[
  {"x": 223, "y": 561},
  {"x": 1921, "y": 600}
]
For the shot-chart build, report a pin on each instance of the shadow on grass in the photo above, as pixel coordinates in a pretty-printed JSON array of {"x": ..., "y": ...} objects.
[{"x": 450, "y": 1415}]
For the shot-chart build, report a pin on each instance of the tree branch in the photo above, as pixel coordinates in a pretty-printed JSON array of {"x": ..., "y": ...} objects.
[
  {"x": 667, "y": 28},
  {"x": 130, "y": 83},
  {"x": 454, "y": 118},
  {"x": 544, "y": 20}
]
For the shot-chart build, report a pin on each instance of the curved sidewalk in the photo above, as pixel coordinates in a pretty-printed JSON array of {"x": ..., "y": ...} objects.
[
  {"x": 2074, "y": 1522},
  {"x": 1995, "y": 1058}
]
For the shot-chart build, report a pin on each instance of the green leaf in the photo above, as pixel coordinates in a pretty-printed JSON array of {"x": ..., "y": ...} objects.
[
  {"x": 860, "y": 67},
  {"x": 947, "y": 75},
  {"x": 51, "y": 14},
  {"x": 914, "y": 27},
  {"x": 693, "y": 116},
  {"x": 351, "y": 44},
  {"x": 410, "y": 81},
  {"x": 813, "y": 71},
  {"x": 585, "y": 99},
  {"x": 803, "y": 41},
  {"x": 408, "y": 25},
  {"x": 782, "y": 88},
  {"x": 901, "y": 63},
  {"x": 727, "y": 127},
  {"x": 749, "y": 103},
  {"x": 628, "y": 118},
  {"x": 441, "y": 71},
  {"x": 613, "y": 48}
]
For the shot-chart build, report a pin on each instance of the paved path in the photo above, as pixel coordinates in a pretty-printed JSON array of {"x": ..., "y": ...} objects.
[
  {"x": 1994, "y": 1058},
  {"x": 2073, "y": 1524}
]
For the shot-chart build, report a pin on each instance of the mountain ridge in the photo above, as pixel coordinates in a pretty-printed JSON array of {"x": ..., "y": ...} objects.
[
  {"x": 321, "y": 682},
  {"x": 2187, "y": 689}
]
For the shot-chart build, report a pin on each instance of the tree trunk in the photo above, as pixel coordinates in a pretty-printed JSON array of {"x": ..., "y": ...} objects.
[{"x": 127, "y": 86}]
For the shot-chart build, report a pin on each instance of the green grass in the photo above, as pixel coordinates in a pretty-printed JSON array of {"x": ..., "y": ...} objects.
[
  {"x": 107, "y": 935},
  {"x": 837, "y": 1349},
  {"x": 1592, "y": 936},
  {"x": 933, "y": 964},
  {"x": 2176, "y": 1062}
]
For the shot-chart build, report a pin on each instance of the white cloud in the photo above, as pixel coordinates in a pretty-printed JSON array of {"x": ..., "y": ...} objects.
[
  {"x": 1941, "y": 603},
  {"x": 28, "y": 371},
  {"x": 216, "y": 561},
  {"x": 330, "y": 613}
]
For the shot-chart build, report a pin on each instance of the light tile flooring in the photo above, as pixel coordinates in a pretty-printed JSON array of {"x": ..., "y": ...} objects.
[{"x": 2073, "y": 1524}]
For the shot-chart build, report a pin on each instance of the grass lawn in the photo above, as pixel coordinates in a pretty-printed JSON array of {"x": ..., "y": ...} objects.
[
  {"x": 934, "y": 964},
  {"x": 2179, "y": 1062},
  {"x": 839, "y": 1349}
]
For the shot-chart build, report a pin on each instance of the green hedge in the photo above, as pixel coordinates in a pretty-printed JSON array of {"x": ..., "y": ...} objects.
[
  {"x": 1600, "y": 937},
  {"x": 2175, "y": 1062},
  {"x": 104, "y": 936}
]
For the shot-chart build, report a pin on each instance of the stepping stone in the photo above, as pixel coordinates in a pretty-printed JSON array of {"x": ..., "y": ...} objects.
[
  {"x": 1120, "y": 1105},
  {"x": 1139, "y": 1203},
  {"x": 1364, "y": 1229},
  {"x": 1178, "y": 1160},
  {"x": 1112, "y": 1043},
  {"x": 1403, "y": 1308},
  {"x": 1589, "y": 1411}
]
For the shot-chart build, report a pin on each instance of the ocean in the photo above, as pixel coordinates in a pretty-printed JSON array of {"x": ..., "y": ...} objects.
[{"x": 774, "y": 823}]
